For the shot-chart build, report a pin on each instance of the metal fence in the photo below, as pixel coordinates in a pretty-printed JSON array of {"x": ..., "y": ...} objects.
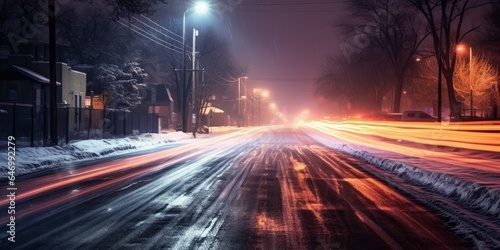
[{"x": 30, "y": 125}]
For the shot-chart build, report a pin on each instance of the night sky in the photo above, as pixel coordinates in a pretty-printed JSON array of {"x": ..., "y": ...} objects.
[{"x": 283, "y": 44}]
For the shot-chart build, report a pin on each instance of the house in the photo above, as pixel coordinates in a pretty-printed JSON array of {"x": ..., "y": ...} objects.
[
  {"x": 23, "y": 86},
  {"x": 158, "y": 100},
  {"x": 25, "y": 96},
  {"x": 73, "y": 84}
]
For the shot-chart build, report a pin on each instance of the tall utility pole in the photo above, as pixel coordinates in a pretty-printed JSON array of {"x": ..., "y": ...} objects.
[
  {"x": 253, "y": 97},
  {"x": 183, "y": 76},
  {"x": 240, "y": 117},
  {"x": 260, "y": 97},
  {"x": 195, "y": 33},
  {"x": 239, "y": 102},
  {"x": 52, "y": 72},
  {"x": 199, "y": 7},
  {"x": 470, "y": 83}
]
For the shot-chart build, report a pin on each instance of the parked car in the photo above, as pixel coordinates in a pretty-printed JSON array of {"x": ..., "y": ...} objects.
[
  {"x": 390, "y": 117},
  {"x": 417, "y": 116}
]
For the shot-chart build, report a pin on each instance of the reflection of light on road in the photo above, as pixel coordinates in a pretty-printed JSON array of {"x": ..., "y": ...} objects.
[
  {"x": 266, "y": 223},
  {"x": 297, "y": 196},
  {"x": 126, "y": 169}
]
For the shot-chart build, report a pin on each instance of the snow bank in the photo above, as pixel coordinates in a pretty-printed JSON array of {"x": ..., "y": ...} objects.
[
  {"x": 478, "y": 197},
  {"x": 29, "y": 160}
]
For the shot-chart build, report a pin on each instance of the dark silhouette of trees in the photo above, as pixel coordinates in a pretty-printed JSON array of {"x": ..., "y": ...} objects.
[
  {"x": 359, "y": 85},
  {"x": 491, "y": 31},
  {"x": 445, "y": 21},
  {"x": 127, "y": 8},
  {"x": 393, "y": 30}
]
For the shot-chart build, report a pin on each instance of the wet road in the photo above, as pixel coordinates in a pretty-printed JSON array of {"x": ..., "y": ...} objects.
[{"x": 273, "y": 188}]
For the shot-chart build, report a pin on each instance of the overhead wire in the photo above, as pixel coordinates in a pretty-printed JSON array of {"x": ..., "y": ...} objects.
[
  {"x": 178, "y": 41},
  {"x": 146, "y": 35},
  {"x": 294, "y": 4},
  {"x": 169, "y": 31},
  {"x": 290, "y": 4}
]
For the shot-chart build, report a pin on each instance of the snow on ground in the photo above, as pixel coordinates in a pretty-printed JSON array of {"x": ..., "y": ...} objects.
[
  {"x": 478, "y": 189},
  {"x": 456, "y": 192},
  {"x": 30, "y": 160}
]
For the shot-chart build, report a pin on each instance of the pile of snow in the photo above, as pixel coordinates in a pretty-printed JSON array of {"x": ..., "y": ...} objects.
[
  {"x": 29, "y": 160},
  {"x": 473, "y": 195}
]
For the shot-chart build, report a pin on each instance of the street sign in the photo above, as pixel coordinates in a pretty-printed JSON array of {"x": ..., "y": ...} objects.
[
  {"x": 104, "y": 97},
  {"x": 97, "y": 103}
]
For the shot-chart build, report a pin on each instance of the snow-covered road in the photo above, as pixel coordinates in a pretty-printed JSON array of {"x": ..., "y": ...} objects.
[{"x": 465, "y": 198}]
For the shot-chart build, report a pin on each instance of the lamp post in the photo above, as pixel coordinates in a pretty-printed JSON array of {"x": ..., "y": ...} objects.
[
  {"x": 270, "y": 115},
  {"x": 239, "y": 100},
  {"x": 193, "y": 78},
  {"x": 470, "y": 83},
  {"x": 199, "y": 7},
  {"x": 260, "y": 94},
  {"x": 461, "y": 48}
]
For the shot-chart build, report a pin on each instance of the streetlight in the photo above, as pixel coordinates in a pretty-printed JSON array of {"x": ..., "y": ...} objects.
[
  {"x": 239, "y": 98},
  {"x": 260, "y": 94},
  {"x": 272, "y": 112},
  {"x": 461, "y": 48},
  {"x": 199, "y": 7}
]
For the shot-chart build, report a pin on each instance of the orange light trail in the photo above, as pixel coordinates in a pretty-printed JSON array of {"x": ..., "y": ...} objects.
[
  {"x": 375, "y": 136},
  {"x": 428, "y": 133}
]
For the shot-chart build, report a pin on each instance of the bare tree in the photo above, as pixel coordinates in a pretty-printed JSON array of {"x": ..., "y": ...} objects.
[
  {"x": 360, "y": 84},
  {"x": 221, "y": 71},
  {"x": 127, "y": 8},
  {"x": 7, "y": 14},
  {"x": 421, "y": 87},
  {"x": 491, "y": 33},
  {"x": 480, "y": 83},
  {"x": 445, "y": 20},
  {"x": 395, "y": 32},
  {"x": 92, "y": 37},
  {"x": 22, "y": 21}
]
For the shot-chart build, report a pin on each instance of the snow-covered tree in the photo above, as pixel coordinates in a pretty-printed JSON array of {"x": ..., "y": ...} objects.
[{"x": 124, "y": 84}]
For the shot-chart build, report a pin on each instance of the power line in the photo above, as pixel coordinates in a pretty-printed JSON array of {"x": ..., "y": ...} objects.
[
  {"x": 294, "y": 4},
  {"x": 319, "y": 4},
  {"x": 160, "y": 42},
  {"x": 156, "y": 30},
  {"x": 149, "y": 36},
  {"x": 171, "y": 32},
  {"x": 290, "y": 11}
]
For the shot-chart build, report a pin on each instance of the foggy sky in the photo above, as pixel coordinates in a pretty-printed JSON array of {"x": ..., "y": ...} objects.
[{"x": 283, "y": 44}]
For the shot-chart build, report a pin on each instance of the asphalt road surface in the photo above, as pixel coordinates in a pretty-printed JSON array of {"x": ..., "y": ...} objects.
[{"x": 273, "y": 188}]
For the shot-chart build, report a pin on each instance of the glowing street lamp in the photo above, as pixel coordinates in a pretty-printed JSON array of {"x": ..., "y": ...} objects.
[
  {"x": 200, "y": 8},
  {"x": 259, "y": 93}
]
